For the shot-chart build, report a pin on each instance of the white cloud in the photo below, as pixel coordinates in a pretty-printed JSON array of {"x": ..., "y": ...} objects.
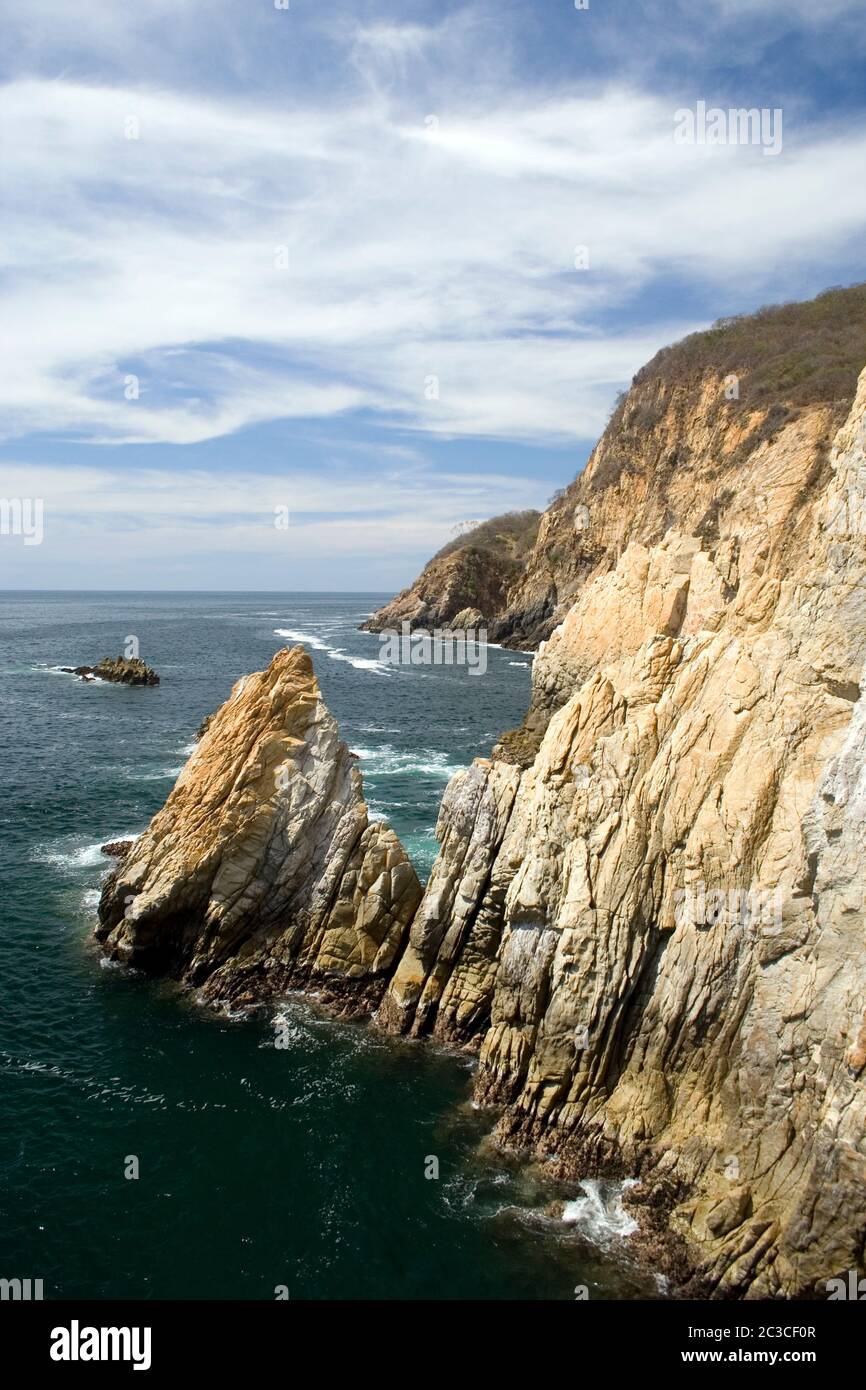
[{"x": 413, "y": 250}]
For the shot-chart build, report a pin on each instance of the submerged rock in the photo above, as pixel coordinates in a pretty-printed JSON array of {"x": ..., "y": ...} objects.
[{"x": 262, "y": 872}]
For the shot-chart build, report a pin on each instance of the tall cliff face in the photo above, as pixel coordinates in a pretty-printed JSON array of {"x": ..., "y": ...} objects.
[
  {"x": 647, "y": 914},
  {"x": 261, "y": 872},
  {"x": 654, "y": 934},
  {"x": 701, "y": 443}
]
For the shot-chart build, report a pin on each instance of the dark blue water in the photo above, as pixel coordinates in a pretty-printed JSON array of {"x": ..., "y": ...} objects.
[{"x": 258, "y": 1167}]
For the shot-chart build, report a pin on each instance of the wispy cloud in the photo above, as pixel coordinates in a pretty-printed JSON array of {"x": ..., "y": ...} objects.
[
  {"x": 437, "y": 227},
  {"x": 424, "y": 271}
]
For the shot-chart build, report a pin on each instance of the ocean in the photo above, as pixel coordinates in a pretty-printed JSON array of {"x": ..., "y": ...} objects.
[{"x": 300, "y": 1169}]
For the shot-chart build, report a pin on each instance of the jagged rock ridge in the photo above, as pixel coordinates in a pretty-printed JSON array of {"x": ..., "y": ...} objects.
[
  {"x": 262, "y": 871},
  {"x": 698, "y": 418},
  {"x": 648, "y": 918},
  {"x": 654, "y": 933}
]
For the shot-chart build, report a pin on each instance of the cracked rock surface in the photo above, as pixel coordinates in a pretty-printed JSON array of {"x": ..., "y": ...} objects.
[{"x": 262, "y": 872}]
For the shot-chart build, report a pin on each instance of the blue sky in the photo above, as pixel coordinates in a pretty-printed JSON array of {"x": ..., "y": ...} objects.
[{"x": 323, "y": 258}]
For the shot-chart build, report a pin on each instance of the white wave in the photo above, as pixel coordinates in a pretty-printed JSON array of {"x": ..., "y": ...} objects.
[
  {"x": 71, "y": 858},
  {"x": 188, "y": 748},
  {"x": 307, "y": 638},
  {"x": 59, "y": 671},
  {"x": 524, "y": 664},
  {"x": 387, "y": 761},
  {"x": 163, "y": 774},
  {"x": 599, "y": 1214},
  {"x": 361, "y": 663}
]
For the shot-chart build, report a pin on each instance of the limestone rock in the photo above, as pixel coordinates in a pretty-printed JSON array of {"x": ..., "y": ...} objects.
[{"x": 262, "y": 871}]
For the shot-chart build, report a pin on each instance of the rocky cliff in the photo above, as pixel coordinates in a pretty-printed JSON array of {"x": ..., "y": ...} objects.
[
  {"x": 647, "y": 914},
  {"x": 701, "y": 420},
  {"x": 653, "y": 934},
  {"x": 467, "y": 584},
  {"x": 261, "y": 872}
]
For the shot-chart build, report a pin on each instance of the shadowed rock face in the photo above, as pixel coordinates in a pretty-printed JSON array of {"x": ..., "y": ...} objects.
[
  {"x": 261, "y": 872},
  {"x": 463, "y": 589},
  {"x": 654, "y": 934}
]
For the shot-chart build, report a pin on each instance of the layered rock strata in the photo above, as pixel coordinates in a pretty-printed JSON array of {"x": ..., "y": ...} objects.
[
  {"x": 653, "y": 935},
  {"x": 262, "y": 871},
  {"x": 647, "y": 914}
]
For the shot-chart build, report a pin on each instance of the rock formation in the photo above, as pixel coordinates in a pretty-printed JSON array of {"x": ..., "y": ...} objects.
[
  {"x": 468, "y": 582},
  {"x": 121, "y": 670},
  {"x": 262, "y": 873},
  {"x": 647, "y": 913},
  {"x": 116, "y": 849},
  {"x": 653, "y": 933},
  {"x": 697, "y": 417}
]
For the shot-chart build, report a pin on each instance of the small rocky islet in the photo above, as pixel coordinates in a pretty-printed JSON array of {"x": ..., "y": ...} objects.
[
  {"x": 696, "y": 735},
  {"x": 119, "y": 670}
]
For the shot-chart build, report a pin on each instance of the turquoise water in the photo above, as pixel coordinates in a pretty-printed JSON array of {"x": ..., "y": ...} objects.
[{"x": 258, "y": 1167}]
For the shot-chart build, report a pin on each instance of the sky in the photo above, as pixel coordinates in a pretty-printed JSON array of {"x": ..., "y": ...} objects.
[{"x": 290, "y": 291}]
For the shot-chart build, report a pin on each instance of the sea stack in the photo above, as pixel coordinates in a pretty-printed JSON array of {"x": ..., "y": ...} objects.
[{"x": 262, "y": 872}]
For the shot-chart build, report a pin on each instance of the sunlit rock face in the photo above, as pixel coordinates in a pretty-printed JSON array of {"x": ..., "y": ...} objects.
[
  {"x": 262, "y": 870},
  {"x": 647, "y": 913},
  {"x": 653, "y": 934}
]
